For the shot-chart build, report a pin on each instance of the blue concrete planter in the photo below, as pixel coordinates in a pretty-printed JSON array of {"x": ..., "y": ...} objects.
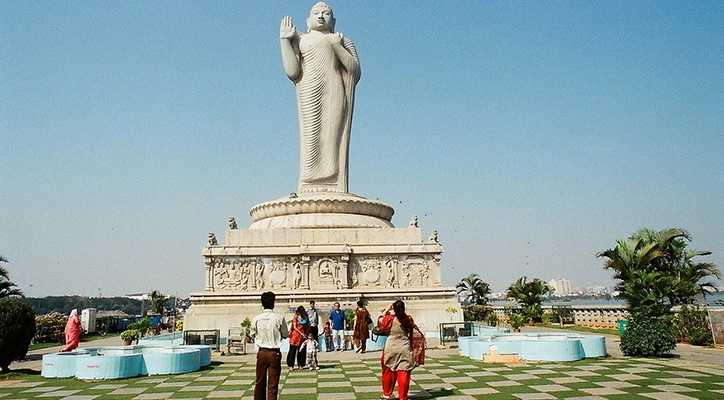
[
  {"x": 535, "y": 346},
  {"x": 116, "y": 362}
]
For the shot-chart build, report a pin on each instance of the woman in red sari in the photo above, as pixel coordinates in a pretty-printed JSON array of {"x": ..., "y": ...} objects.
[
  {"x": 297, "y": 335},
  {"x": 72, "y": 331},
  {"x": 398, "y": 360}
]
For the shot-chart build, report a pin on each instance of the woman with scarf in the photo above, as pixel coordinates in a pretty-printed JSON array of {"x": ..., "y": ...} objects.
[
  {"x": 72, "y": 331},
  {"x": 297, "y": 335},
  {"x": 398, "y": 359}
]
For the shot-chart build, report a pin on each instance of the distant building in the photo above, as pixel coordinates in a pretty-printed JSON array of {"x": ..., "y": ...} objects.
[
  {"x": 138, "y": 296},
  {"x": 561, "y": 287},
  {"x": 597, "y": 290}
]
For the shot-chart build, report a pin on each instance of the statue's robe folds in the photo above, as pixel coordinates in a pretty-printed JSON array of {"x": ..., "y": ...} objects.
[{"x": 325, "y": 99}]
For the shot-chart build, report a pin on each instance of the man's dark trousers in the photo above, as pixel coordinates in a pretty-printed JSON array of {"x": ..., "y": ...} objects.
[{"x": 268, "y": 370}]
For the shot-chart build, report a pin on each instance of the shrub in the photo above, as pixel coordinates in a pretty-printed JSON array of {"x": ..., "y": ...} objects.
[
  {"x": 492, "y": 319},
  {"x": 142, "y": 326},
  {"x": 50, "y": 328},
  {"x": 349, "y": 316},
  {"x": 17, "y": 328},
  {"x": 475, "y": 312},
  {"x": 646, "y": 337},
  {"x": 533, "y": 312},
  {"x": 180, "y": 325},
  {"x": 516, "y": 320},
  {"x": 548, "y": 317},
  {"x": 691, "y": 325}
]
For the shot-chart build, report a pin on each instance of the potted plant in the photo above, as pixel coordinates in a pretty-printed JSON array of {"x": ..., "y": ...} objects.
[
  {"x": 128, "y": 336},
  {"x": 532, "y": 312},
  {"x": 246, "y": 324},
  {"x": 142, "y": 326},
  {"x": 516, "y": 321}
]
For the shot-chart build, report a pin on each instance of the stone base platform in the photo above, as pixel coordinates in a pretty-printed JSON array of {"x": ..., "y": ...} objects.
[
  {"x": 322, "y": 210},
  {"x": 325, "y": 247}
]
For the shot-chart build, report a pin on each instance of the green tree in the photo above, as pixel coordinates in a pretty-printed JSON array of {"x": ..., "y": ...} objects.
[
  {"x": 7, "y": 288},
  {"x": 475, "y": 289},
  {"x": 63, "y": 304},
  {"x": 694, "y": 280},
  {"x": 529, "y": 296},
  {"x": 17, "y": 328},
  {"x": 655, "y": 271},
  {"x": 158, "y": 301}
]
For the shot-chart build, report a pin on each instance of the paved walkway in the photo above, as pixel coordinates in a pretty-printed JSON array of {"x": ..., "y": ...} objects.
[{"x": 695, "y": 373}]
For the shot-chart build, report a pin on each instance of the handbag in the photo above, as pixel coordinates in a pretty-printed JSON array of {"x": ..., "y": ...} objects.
[
  {"x": 368, "y": 319},
  {"x": 383, "y": 327},
  {"x": 377, "y": 331}
]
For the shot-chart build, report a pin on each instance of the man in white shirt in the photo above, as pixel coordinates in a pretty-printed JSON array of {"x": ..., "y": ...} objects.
[{"x": 268, "y": 329}]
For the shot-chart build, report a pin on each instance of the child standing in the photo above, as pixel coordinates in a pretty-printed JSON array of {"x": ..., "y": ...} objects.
[
  {"x": 328, "y": 337},
  {"x": 312, "y": 346}
]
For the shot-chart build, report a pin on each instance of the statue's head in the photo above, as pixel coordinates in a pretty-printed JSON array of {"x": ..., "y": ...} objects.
[{"x": 321, "y": 18}]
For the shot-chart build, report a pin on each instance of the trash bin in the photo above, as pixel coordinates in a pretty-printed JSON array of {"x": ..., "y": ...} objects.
[{"x": 621, "y": 326}]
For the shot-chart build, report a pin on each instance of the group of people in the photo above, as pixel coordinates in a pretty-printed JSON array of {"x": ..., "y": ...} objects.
[
  {"x": 304, "y": 334},
  {"x": 399, "y": 356},
  {"x": 334, "y": 334}
]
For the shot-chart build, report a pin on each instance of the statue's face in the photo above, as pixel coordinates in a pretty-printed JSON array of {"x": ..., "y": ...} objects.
[{"x": 321, "y": 19}]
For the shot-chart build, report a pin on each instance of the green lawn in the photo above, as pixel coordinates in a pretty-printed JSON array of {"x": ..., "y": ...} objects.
[
  {"x": 578, "y": 329},
  {"x": 444, "y": 375}
]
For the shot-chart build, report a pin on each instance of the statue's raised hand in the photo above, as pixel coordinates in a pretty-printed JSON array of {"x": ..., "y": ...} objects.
[
  {"x": 287, "y": 29},
  {"x": 335, "y": 38}
]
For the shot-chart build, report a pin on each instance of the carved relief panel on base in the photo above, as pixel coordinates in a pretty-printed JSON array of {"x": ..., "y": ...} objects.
[{"x": 330, "y": 272}]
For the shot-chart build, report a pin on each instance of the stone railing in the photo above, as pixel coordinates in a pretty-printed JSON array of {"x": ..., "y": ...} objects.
[{"x": 601, "y": 316}]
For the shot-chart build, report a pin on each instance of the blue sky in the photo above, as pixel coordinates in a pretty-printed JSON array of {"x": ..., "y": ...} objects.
[{"x": 531, "y": 135}]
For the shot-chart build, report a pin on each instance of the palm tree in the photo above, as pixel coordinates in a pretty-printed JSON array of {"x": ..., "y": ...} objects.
[
  {"x": 647, "y": 293},
  {"x": 655, "y": 271},
  {"x": 694, "y": 280},
  {"x": 475, "y": 289},
  {"x": 529, "y": 295},
  {"x": 158, "y": 301},
  {"x": 7, "y": 288},
  {"x": 625, "y": 259},
  {"x": 671, "y": 242}
]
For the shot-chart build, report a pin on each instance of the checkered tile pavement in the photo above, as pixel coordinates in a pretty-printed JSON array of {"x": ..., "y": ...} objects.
[{"x": 446, "y": 375}]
